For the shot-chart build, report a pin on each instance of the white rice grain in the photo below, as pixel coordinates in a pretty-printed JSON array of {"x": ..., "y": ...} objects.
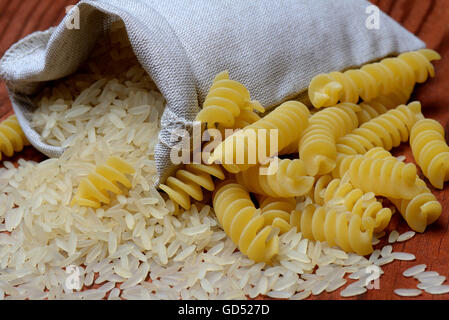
[
  {"x": 279, "y": 294},
  {"x": 335, "y": 284},
  {"x": 352, "y": 291},
  {"x": 404, "y": 256},
  {"x": 406, "y": 236},
  {"x": 386, "y": 251},
  {"x": 442, "y": 289},
  {"x": 426, "y": 274},
  {"x": 407, "y": 292},
  {"x": 415, "y": 270},
  {"x": 301, "y": 295},
  {"x": 319, "y": 287},
  {"x": 393, "y": 237}
]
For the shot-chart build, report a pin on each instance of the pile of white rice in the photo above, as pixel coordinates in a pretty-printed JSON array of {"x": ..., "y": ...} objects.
[{"x": 135, "y": 248}]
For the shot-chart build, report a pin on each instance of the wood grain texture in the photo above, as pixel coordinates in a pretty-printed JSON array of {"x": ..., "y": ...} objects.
[{"x": 428, "y": 19}]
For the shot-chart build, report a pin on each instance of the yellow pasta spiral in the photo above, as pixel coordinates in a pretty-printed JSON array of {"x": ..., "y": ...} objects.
[
  {"x": 188, "y": 181},
  {"x": 421, "y": 210},
  {"x": 225, "y": 101},
  {"x": 249, "y": 146},
  {"x": 12, "y": 138},
  {"x": 431, "y": 151},
  {"x": 368, "y": 111},
  {"x": 319, "y": 188},
  {"x": 245, "y": 118},
  {"x": 93, "y": 190},
  {"x": 381, "y": 105},
  {"x": 372, "y": 80},
  {"x": 387, "y": 130},
  {"x": 227, "y": 106},
  {"x": 338, "y": 228},
  {"x": 343, "y": 196},
  {"x": 384, "y": 177},
  {"x": 276, "y": 212},
  {"x": 280, "y": 178},
  {"x": 317, "y": 146},
  {"x": 243, "y": 223}
]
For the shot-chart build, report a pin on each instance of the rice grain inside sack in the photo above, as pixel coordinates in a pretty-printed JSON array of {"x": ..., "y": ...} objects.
[{"x": 273, "y": 47}]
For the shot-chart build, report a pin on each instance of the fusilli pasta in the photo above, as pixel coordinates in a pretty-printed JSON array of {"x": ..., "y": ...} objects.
[
  {"x": 343, "y": 229},
  {"x": 280, "y": 178},
  {"x": 431, "y": 151},
  {"x": 380, "y": 105},
  {"x": 225, "y": 101},
  {"x": 387, "y": 130},
  {"x": 276, "y": 212},
  {"x": 384, "y": 177},
  {"x": 93, "y": 190},
  {"x": 12, "y": 138},
  {"x": 188, "y": 181},
  {"x": 243, "y": 223},
  {"x": 372, "y": 80},
  {"x": 317, "y": 147},
  {"x": 341, "y": 195},
  {"x": 421, "y": 210},
  {"x": 243, "y": 149}
]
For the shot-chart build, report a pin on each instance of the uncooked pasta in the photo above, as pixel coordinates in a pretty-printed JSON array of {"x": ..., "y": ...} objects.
[
  {"x": 243, "y": 149},
  {"x": 317, "y": 146},
  {"x": 342, "y": 195},
  {"x": 384, "y": 177},
  {"x": 189, "y": 181},
  {"x": 280, "y": 178},
  {"x": 337, "y": 228},
  {"x": 225, "y": 101},
  {"x": 276, "y": 212},
  {"x": 93, "y": 190},
  {"x": 387, "y": 130},
  {"x": 243, "y": 223},
  {"x": 431, "y": 151},
  {"x": 12, "y": 138},
  {"x": 373, "y": 80},
  {"x": 421, "y": 210}
]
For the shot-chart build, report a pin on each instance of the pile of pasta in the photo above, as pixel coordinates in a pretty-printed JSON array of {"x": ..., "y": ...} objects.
[{"x": 332, "y": 168}]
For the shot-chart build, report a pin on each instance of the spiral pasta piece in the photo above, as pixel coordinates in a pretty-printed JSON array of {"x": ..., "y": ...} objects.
[
  {"x": 316, "y": 194},
  {"x": 381, "y": 105},
  {"x": 384, "y": 177},
  {"x": 420, "y": 211},
  {"x": 252, "y": 145},
  {"x": 431, "y": 151},
  {"x": 93, "y": 190},
  {"x": 245, "y": 118},
  {"x": 368, "y": 111},
  {"x": 243, "y": 223},
  {"x": 317, "y": 147},
  {"x": 235, "y": 111},
  {"x": 276, "y": 212},
  {"x": 225, "y": 101},
  {"x": 280, "y": 178},
  {"x": 387, "y": 130},
  {"x": 188, "y": 183},
  {"x": 373, "y": 80},
  {"x": 343, "y": 229},
  {"x": 341, "y": 195},
  {"x": 12, "y": 138}
]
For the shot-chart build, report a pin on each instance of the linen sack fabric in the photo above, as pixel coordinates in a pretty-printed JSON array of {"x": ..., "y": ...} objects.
[{"x": 273, "y": 47}]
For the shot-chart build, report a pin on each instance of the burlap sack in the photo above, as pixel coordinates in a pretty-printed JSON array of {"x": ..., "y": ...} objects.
[{"x": 273, "y": 47}]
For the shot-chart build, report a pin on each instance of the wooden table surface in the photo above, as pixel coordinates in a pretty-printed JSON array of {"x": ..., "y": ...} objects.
[{"x": 428, "y": 19}]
